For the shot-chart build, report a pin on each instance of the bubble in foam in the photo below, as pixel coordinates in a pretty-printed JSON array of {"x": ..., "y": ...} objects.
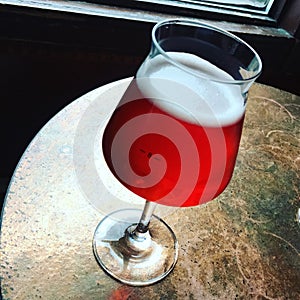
[{"x": 185, "y": 89}]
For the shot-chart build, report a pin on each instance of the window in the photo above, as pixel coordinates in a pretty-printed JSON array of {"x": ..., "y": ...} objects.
[
  {"x": 256, "y": 12},
  {"x": 254, "y": 4},
  {"x": 234, "y": 6},
  {"x": 247, "y": 6},
  {"x": 260, "y": 12}
]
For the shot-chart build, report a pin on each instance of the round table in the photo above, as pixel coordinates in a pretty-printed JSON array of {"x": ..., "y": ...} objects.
[{"x": 243, "y": 245}]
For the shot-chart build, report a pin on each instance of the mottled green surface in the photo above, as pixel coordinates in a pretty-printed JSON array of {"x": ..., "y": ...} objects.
[{"x": 243, "y": 245}]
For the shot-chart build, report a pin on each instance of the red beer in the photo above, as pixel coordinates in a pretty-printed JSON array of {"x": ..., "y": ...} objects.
[{"x": 165, "y": 153}]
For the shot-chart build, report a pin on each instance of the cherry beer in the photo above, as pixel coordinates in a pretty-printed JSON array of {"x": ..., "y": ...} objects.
[{"x": 174, "y": 136}]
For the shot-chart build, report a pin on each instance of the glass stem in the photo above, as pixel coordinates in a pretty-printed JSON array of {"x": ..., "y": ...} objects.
[{"x": 144, "y": 222}]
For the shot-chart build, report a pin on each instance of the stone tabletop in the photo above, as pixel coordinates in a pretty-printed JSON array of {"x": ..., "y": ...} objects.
[{"x": 243, "y": 245}]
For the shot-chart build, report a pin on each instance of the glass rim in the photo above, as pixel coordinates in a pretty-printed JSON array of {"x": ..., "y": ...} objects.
[{"x": 211, "y": 27}]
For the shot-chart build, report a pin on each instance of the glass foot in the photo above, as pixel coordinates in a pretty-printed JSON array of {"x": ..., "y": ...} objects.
[{"x": 135, "y": 259}]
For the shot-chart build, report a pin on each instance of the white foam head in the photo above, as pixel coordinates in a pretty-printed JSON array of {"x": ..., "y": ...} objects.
[{"x": 190, "y": 95}]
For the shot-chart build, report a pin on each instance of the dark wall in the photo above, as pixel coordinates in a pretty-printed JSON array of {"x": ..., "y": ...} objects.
[
  {"x": 48, "y": 61},
  {"x": 39, "y": 80}
]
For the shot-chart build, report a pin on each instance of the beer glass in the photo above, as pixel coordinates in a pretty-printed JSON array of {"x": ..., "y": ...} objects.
[{"x": 173, "y": 140}]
